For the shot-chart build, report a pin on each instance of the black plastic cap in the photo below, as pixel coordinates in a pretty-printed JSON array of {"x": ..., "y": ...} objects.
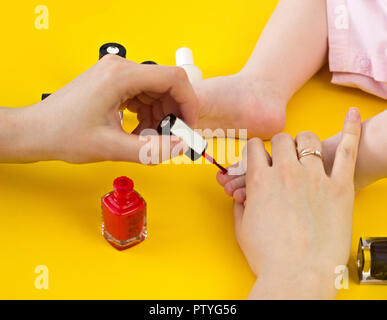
[
  {"x": 103, "y": 50},
  {"x": 45, "y": 95},
  {"x": 166, "y": 130},
  {"x": 149, "y": 62}
]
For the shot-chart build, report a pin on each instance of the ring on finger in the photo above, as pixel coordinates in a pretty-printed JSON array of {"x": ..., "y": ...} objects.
[{"x": 309, "y": 152}]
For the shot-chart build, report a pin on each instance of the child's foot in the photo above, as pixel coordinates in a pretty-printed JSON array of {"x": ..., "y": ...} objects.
[
  {"x": 234, "y": 185},
  {"x": 239, "y": 102}
]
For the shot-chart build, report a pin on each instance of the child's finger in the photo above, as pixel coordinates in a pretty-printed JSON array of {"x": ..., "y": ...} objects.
[{"x": 346, "y": 153}]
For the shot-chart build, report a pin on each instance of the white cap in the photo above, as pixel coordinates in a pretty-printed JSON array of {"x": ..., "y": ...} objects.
[
  {"x": 113, "y": 50},
  {"x": 195, "y": 142},
  {"x": 184, "y": 56},
  {"x": 192, "y": 139}
]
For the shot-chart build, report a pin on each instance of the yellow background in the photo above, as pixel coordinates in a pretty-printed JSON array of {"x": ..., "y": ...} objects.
[{"x": 50, "y": 212}]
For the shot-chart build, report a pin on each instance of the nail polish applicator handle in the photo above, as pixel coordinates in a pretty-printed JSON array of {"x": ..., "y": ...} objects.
[
  {"x": 197, "y": 146},
  {"x": 172, "y": 125}
]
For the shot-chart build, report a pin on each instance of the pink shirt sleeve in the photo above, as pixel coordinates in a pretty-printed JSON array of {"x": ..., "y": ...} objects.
[{"x": 358, "y": 44}]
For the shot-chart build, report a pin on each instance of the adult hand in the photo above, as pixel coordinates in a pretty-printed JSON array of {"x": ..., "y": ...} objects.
[
  {"x": 295, "y": 227},
  {"x": 80, "y": 122}
]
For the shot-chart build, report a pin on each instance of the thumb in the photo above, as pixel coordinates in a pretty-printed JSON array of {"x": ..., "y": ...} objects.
[
  {"x": 149, "y": 148},
  {"x": 346, "y": 152}
]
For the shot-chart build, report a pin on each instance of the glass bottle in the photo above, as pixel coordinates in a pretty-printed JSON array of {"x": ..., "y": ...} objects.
[
  {"x": 372, "y": 260},
  {"x": 124, "y": 215}
]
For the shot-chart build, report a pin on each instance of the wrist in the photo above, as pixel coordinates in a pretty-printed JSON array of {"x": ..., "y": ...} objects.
[
  {"x": 294, "y": 283},
  {"x": 22, "y": 136}
]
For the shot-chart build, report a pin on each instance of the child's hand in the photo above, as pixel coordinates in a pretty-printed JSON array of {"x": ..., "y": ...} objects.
[
  {"x": 80, "y": 123},
  {"x": 295, "y": 227}
]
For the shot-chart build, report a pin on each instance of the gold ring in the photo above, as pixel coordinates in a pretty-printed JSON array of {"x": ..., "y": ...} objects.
[{"x": 309, "y": 152}]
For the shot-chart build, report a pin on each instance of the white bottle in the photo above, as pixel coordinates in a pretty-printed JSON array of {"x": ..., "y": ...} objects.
[{"x": 184, "y": 59}]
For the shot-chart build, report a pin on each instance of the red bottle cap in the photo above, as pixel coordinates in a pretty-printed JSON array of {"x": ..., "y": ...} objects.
[
  {"x": 123, "y": 189},
  {"x": 123, "y": 185},
  {"x": 124, "y": 214}
]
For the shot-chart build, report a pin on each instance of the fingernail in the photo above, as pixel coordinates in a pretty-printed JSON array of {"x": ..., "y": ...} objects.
[{"x": 353, "y": 115}]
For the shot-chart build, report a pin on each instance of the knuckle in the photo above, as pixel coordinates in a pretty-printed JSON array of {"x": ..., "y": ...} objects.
[
  {"x": 111, "y": 66},
  {"x": 253, "y": 143},
  {"x": 179, "y": 74},
  {"x": 109, "y": 57},
  {"x": 282, "y": 136},
  {"x": 111, "y": 60},
  {"x": 307, "y": 134},
  {"x": 347, "y": 152},
  {"x": 307, "y": 137}
]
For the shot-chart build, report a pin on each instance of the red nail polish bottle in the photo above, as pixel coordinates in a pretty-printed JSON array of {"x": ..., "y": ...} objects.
[{"x": 124, "y": 215}]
